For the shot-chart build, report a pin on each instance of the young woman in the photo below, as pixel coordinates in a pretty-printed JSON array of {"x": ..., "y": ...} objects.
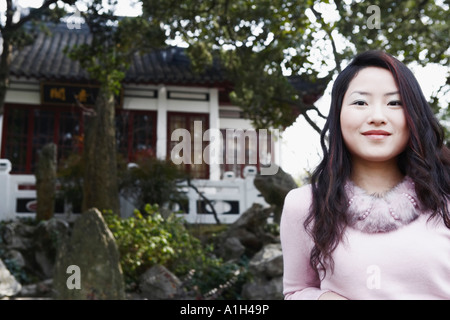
[{"x": 374, "y": 223}]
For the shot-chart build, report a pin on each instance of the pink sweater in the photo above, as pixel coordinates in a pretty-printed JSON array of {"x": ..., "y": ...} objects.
[{"x": 412, "y": 262}]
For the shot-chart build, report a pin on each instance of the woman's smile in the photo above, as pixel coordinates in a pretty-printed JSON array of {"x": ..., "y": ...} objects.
[{"x": 376, "y": 134}]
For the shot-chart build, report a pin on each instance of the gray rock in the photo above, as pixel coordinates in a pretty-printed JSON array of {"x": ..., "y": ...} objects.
[
  {"x": 274, "y": 189},
  {"x": 158, "y": 283},
  {"x": 9, "y": 286},
  {"x": 48, "y": 236},
  {"x": 91, "y": 250},
  {"x": 249, "y": 229},
  {"x": 17, "y": 235},
  {"x": 232, "y": 249},
  {"x": 15, "y": 257},
  {"x": 260, "y": 289},
  {"x": 33, "y": 247},
  {"x": 40, "y": 289},
  {"x": 268, "y": 262},
  {"x": 266, "y": 270}
]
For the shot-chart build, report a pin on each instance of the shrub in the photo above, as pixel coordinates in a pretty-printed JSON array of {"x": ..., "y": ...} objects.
[
  {"x": 154, "y": 181},
  {"x": 147, "y": 239}
]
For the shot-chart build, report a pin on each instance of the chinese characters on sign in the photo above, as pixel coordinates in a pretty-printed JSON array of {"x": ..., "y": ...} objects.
[{"x": 70, "y": 94}]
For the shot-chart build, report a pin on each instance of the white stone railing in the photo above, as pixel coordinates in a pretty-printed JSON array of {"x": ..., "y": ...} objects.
[
  {"x": 17, "y": 193},
  {"x": 230, "y": 197}
]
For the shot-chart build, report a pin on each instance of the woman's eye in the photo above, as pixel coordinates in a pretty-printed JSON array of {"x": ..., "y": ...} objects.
[
  {"x": 395, "y": 103},
  {"x": 359, "y": 103}
]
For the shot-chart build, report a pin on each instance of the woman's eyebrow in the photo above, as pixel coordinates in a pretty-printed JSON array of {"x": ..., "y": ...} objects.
[
  {"x": 364, "y": 93},
  {"x": 391, "y": 93}
]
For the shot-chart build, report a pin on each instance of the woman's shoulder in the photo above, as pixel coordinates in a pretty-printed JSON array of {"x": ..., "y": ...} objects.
[
  {"x": 303, "y": 191},
  {"x": 298, "y": 200}
]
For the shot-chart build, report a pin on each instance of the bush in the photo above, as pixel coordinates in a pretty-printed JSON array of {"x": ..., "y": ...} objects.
[
  {"x": 154, "y": 181},
  {"x": 147, "y": 239}
]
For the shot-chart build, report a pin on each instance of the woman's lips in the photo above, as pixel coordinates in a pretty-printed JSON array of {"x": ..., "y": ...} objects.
[{"x": 376, "y": 134}]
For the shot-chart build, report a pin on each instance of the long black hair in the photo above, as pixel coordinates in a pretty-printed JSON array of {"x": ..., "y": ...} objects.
[{"x": 426, "y": 159}]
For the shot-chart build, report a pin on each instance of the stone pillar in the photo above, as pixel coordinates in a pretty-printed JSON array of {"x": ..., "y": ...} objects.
[
  {"x": 6, "y": 213},
  {"x": 214, "y": 125},
  {"x": 161, "y": 127},
  {"x": 46, "y": 182}
]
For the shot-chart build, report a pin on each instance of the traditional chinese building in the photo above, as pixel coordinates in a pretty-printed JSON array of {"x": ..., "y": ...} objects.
[{"x": 50, "y": 95}]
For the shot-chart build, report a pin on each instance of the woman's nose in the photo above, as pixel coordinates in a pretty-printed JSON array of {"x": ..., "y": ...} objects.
[{"x": 377, "y": 115}]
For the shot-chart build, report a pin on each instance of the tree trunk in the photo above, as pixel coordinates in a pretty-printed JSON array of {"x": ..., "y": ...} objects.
[
  {"x": 5, "y": 62},
  {"x": 100, "y": 186}
]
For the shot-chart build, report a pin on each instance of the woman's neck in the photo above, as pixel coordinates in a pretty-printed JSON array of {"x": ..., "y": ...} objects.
[{"x": 376, "y": 177}]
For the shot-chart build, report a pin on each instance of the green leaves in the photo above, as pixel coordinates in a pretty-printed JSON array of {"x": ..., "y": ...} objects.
[
  {"x": 153, "y": 181},
  {"x": 143, "y": 241},
  {"x": 147, "y": 239}
]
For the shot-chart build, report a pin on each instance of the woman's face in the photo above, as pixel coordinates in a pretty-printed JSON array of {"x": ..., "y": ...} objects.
[{"x": 372, "y": 117}]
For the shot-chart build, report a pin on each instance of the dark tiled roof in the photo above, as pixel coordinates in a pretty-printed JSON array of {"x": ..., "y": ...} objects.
[
  {"x": 45, "y": 60},
  {"x": 309, "y": 91}
]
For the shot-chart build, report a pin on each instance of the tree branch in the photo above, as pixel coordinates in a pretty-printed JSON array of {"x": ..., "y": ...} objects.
[
  {"x": 311, "y": 123},
  {"x": 318, "y": 112},
  {"x": 33, "y": 14},
  {"x": 301, "y": 106},
  {"x": 208, "y": 202},
  {"x": 328, "y": 32},
  {"x": 9, "y": 15}
]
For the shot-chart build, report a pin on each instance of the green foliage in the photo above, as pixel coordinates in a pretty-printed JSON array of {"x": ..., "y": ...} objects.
[
  {"x": 147, "y": 239},
  {"x": 142, "y": 241},
  {"x": 413, "y": 30},
  {"x": 221, "y": 281},
  {"x": 153, "y": 181}
]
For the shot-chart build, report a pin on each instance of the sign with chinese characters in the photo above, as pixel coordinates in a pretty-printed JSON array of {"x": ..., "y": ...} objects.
[{"x": 70, "y": 94}]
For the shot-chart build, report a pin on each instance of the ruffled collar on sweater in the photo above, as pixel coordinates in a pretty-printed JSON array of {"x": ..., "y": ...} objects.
[{"x": 382, "y": 213}]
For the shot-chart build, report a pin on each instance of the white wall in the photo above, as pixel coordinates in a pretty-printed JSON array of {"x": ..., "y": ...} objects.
[
  {"x": 140, "y": 97},
  {"x": 22, "y": 91},
  {"x": 229, "y": 123}
]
